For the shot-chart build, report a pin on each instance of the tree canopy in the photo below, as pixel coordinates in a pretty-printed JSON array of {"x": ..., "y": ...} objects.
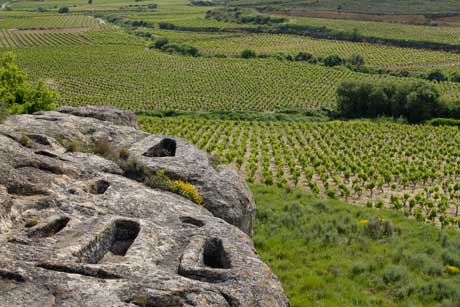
[{"x": 17, "y": 94}]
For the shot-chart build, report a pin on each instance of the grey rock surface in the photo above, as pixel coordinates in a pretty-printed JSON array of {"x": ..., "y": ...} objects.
[
  {"x": 75, "y": 232},
  {"x": 225, "y": 194}
]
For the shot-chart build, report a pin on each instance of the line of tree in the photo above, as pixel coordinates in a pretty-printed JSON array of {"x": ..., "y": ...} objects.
[
  {"x": 416, "y": 101},
  {"x": 164, "y": 45}
]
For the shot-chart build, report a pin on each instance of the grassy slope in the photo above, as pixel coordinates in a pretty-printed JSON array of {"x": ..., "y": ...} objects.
[{"x": 325, "y": 255}]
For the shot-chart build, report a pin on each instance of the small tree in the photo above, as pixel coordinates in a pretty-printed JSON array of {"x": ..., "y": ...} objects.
[
  {"x": 90, "y": 2},
  {"x": 160, "y": 43},
  {"x": 248, "y": 54},
  {"x": 333, "y": 60},
  {"x": 437, "y": 75},
  {"x": 19, "y": 96},
  {"x": 305, "y": 56},
  {"x": 63, "y": 10}
]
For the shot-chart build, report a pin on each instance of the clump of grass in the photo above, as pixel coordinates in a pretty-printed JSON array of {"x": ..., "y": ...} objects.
[
  {"x": 26, "y": 141},
  {"x": 394, "y": 273},
  {"x": 135, "y": 170},
  {"x": 31, "y": 223}
]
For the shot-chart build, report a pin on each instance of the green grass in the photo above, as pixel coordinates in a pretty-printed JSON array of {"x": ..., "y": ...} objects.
[{"x": 326, "y": 255}]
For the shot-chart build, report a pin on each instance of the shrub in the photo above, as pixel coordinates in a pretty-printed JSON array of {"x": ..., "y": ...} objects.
[
  {"x": 160, "y": 43},
  {"x": 451, "y": 258},
  {"x": 248, "y": 54},
  {"x": 455, "y": 77},
  {"x": 442, "y": 290},
  {"x": 444, "y": 122},
  {"x": 305, "y": 56},
  {"x": 393, "y": 274},
  {"x": 453, "y": 270},
  {"x": 180, "y": 49},
  {"x": 437, "y": 75},
  {"x": 187, "y": 190},
  {"x": 18, "y": 95},
  {"x": 333, "y": 60},
  {"x": 417, "y": 101},
  {"x": 63, "y": 10},
  {"x": 360, "y": 268}
]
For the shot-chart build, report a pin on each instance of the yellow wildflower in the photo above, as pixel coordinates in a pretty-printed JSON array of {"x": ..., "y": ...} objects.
[{"x": 452, "y": 269}]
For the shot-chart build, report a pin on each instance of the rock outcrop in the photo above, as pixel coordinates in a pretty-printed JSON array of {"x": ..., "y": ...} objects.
[{"x": 75, "y": 232}]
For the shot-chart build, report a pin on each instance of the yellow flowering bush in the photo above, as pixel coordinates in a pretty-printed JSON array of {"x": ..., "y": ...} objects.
[
  {"x": 363, "y": 222},
  {"x": 187, "y": 190},
  {"x": 452, "y": 269}
]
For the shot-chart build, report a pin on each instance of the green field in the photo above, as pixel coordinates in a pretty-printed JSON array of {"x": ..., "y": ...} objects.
[
  {"x": 328, "y": 254},
  {"x": 439, "y": 34},
  {"x": 375, "y": 55},
  {"x": 268, "y": 118},
  {"x": 358, "y": 161}
]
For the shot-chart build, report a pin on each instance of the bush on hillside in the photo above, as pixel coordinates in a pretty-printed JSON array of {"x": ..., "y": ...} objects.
[
  {"x": 437, "y": 75},
  {"x": 63, "y": 10},
  {"x": 159, "y": 43},
  {"x": 306, "y": 57},
  {"x": 17, "y": 95},
  {"x": 248, "y": 54},
  {"x": 333, "y": 60}
]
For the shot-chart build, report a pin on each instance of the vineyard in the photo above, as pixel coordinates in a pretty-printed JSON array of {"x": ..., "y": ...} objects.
[
  {"x": 411, "y": 168},
  {"x": 49, "y": 22},
  {"x": 134, "y": 78},
  {"x": 439, "y": 34},
  {"x": 375, "y": 55},
  {"x": 15, "y": 39}
]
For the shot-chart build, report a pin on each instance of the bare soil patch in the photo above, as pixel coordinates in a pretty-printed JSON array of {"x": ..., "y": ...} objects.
[{"x": 59, "y": 30}]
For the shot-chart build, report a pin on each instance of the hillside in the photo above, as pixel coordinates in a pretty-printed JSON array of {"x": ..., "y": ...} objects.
[{"x": 340, "y": 117}]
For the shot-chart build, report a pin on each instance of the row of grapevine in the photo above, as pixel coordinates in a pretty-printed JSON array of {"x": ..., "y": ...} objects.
[
  {"x": 134, "y": 78},
  {"x": 49, "y": 22},
  {"x": 415, "y": 168},
  {"x": 440, "y": 34},
  {"x": 375, "y": 55},
  {"x": 16, "y": 39}
]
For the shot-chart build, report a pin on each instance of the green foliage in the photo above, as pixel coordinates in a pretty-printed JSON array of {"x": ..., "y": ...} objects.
[
  {"x": 417, "y": 101},
  {"x": 64, "y": 10},
  {"x": 333, "y": 60},
  {"x": 248, "y": 54},
  {"x": 324, "y": 254},
  {"x": 437, "y": 75},
  {"x": 17, "y": 95},
  {"x": 164, "y": 45},
  {"x": 444, "y": 122},
  {"x": 305, "y": 56}
]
